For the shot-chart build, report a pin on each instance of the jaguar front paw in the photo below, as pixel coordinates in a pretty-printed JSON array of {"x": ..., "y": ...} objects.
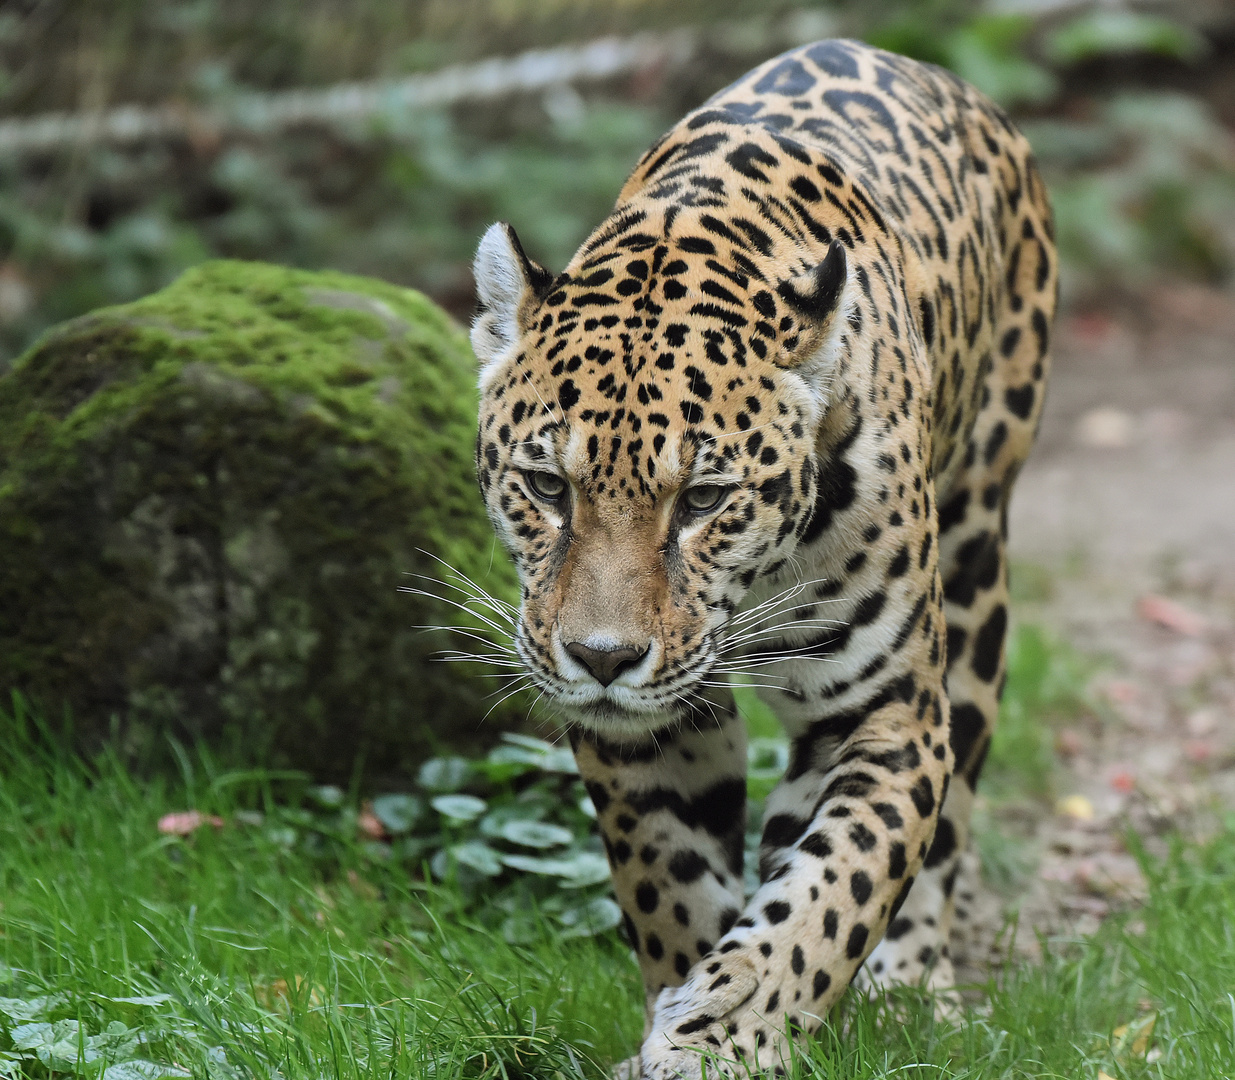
[{"x": 711, "y": 1018}]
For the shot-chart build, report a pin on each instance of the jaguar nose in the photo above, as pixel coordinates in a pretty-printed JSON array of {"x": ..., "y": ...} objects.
[{"x": 605, "y": 665}]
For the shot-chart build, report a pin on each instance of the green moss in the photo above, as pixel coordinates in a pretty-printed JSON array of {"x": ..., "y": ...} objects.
[{"x": 209, "y": 499}]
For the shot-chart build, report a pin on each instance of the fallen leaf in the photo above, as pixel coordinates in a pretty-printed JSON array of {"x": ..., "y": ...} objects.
[
  {"x": 370, "y": 825},
  {"x": 1068, "y": 742},
  {"x": 1075, "y": 806},
  {"x": 1122, "y": 692},
  {"x": 279, "y": 992},
  {"x": 1140, "y": 1044},
  {"x": 183, "y": 822},
  {"x": 1171, "y": 615},
  {"x": 1104, "y": 1075},
  {"x": 1093, "y": 325},
  {"x": 1198, "y": 750},
  {"x": 1134, "y": 1038},
  {"x": 1105, "y": 429},
  {"x": 1203, "y": 722},
  {"x": 363, "y": 888},
  {"x": 1109, "y": 875}
]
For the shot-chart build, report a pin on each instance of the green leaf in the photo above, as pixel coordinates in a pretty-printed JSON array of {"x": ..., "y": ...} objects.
[
  {"x": 535, "y": 834},
  {"x": 479, "y": 856},
  {"x": 444, "y": 774},
  {"x": 594, "y": 917},
  {"x": 459, "y": 807},
  {"x": 1005, "y": 77},
  {"x": 20, "y": 1010},
  {"x": 60, "y": 1046},
  {"x": 282, "y": 835},
  {"x": 397, "y": 812},
  {"x": 145, "y": 999},
  {"x": 28, "y": 1036},
  {"x": 327, "y": 796},
  {"x": 139, "y": 1069},
  {"x": 533, "y": 751},
  {"x": 413, "y": 848},
  {"x": 522, "y": 928},
  {"x": 577, "y": 870},
  {"x": 520, "y": 810}
]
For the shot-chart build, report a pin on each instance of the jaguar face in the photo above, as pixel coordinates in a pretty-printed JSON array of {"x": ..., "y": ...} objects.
[{"x": 644, "y": 464}]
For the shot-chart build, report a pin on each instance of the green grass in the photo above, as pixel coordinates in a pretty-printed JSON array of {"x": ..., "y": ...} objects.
[
  {"x": 251, "y": 957},
  {"x": 279, "y": 962},
  {"x": 1045, "y": 688}
]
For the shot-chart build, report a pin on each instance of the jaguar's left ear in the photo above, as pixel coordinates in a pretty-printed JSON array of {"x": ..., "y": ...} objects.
[
  {"x": 507, "y": 283},
  {"x": 817, "y": 300}
]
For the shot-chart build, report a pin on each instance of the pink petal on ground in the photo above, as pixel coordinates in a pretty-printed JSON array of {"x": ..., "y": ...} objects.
[
  {"x": 1198, "y": 751},
  {"x": 1122, "y": 692},
  {"x": 1068, "y": 742},
  {"x": 183, "y": 822},
  {"x": 1171, "y": 615},
  {"x": 370, "y": 826}
]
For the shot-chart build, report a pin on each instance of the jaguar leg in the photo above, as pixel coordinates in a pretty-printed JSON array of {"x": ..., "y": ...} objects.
[{"x": 672, "y": 813}]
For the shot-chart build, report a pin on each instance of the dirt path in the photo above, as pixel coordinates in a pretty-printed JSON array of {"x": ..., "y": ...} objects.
[{"x": 1125, "y": 517}]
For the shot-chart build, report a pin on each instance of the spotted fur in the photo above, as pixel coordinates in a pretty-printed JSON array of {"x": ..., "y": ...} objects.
[{"x": 765, "y": 426}]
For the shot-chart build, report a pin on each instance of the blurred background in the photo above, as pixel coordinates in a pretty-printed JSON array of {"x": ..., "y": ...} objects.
[
  {"x": 139, "y": 137},
  {"x": 1129, "y": 108}
]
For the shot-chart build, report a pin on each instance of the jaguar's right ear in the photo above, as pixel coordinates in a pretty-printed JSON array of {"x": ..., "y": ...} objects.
[{"x": 507, "y": 281}]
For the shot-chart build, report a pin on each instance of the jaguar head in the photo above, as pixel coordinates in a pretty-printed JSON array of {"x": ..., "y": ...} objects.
[{"x": 647, "y": 453}]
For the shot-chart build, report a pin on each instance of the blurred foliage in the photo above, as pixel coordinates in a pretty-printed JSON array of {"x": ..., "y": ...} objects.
[
  {"x": 1144, "y": 182},
  {"x": 70, "y": 54},
  {"x": 403, "y": 200},
  {"x": 1104, "y": 32},
  {"x": 1045, "y": 688},
  {"x": 987, "y": 50}
]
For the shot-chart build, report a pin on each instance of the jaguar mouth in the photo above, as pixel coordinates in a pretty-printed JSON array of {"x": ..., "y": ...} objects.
[
  {"x": 609, "y": 717},
  {"x": 618, "y": 709}
]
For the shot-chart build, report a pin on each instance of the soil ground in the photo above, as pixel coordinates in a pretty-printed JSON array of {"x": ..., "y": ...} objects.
[{"x": 1122, "y": 534}]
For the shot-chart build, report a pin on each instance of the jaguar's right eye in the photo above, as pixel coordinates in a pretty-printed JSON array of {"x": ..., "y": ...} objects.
[{"x": 545, "y": 485}]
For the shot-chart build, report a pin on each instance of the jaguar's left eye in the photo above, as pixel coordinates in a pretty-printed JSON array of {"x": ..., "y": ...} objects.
[
  {"x": 704, "y": 498},
  {"x": 545, "y": 485}
]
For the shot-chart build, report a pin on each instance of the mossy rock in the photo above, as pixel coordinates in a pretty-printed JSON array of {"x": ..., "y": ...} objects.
[{"x": 209, "y": 500}]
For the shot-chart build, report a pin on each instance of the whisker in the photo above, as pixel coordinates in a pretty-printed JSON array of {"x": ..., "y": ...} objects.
[
  {"x": 473, "y": 587},
  {"x": 470, "y": 603},
  {"x": 747, "y": 633},
  {"x": 744, "y": 686},
  {"x": 459, "y": 605},
  {"x": 771, "y": 634},
  {"x": 474, "y": 636},
  {"x": 778, "y": 598},
  {"x": 488, "y": 658},
  {"x": 504, "y": 697},
  {"x": 464, "y": 584}
]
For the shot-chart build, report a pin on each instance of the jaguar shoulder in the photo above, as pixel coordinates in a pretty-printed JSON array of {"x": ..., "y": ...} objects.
[{"x": 764, "y": 428}]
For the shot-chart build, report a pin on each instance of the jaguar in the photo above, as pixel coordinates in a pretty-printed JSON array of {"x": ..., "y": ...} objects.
[{"x": 763, "y": 430}]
